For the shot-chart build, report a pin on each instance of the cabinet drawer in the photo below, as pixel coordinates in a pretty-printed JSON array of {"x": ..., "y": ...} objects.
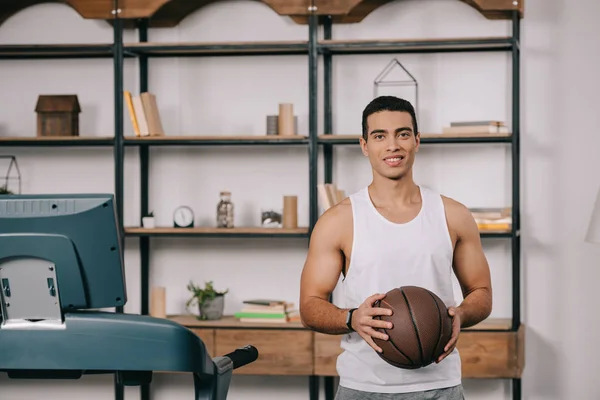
[
  {"x": 280, "y": 352},
  {"x": 208, "y": 337},
  {"x": 327, "y": 350}
]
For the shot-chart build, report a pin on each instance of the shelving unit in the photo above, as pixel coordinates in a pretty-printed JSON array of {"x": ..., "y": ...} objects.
[{"x": 313, "y": 354}]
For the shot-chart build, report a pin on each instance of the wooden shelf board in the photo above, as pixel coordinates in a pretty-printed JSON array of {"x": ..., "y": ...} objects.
[
  {"x": 216, "y": 140},
  {"x": 227, "y": 322},
  {"x": 425, "y": 137},
  {"x": 56, "y": 141},
  {"x": 216, "y": 48},
  {"x": 355, "y": 46},
  {"x": 210, "y": 231}
]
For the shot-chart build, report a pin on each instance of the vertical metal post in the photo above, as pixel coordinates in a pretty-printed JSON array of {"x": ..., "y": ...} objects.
[
  {"x": 118, "y": 143},
  {"x": 313, "y": 150},
  {"x": 516, "y": 228},
  {"x": 118, "y": 139},
  {"x": 516, "y": 205},
  {"x": 144, "y": 177},
  {"x": 328, "y": 148},
  {"x": 144, "y": 203},
  {"x": 328, "y": 102}
]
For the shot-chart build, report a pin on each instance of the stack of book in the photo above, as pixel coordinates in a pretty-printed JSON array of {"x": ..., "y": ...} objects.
[
  {"x": 474, "y": 128},
  {"x": 492, "y": 219},
  {"x": 267, "y": 311}
]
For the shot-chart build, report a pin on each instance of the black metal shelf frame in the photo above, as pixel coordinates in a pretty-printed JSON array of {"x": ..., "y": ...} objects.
[
  {"x": 330, "y": 47},
  {"x": 14, "y": 142},
  {"x": 313, "y": 49},
  {"x": 424, "y": 140}
]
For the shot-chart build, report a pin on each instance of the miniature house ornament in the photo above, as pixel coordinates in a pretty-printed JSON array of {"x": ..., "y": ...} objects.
[
  {"x": 402, "y": 78},
  {"x": 58, "y": 115}
]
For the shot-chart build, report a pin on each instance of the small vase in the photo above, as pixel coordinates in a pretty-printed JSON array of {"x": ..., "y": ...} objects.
[
  {"x": 148, "y": 222},
  {"x": 212, "y": 309}
]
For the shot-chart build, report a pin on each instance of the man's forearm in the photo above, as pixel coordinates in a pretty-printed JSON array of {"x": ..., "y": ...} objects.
[
  {"x": 322, "y": 316},
  {"x": 476, "y": 306}
]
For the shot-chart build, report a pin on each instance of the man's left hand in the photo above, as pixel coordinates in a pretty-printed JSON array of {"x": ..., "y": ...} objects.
[{"x": 455, "y": 314}]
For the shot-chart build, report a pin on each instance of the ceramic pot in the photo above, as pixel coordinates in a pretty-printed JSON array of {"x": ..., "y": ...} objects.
[{"x": 212, "y": 309}]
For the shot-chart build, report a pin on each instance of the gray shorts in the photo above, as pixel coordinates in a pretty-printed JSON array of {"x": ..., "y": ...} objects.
[{"x": 451, "y": 393}]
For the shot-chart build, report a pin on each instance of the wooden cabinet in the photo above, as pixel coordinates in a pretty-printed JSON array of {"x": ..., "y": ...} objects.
[{"x": 488, "y": 350}]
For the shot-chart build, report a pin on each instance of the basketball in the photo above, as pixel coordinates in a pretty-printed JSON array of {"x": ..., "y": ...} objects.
[{"x": 421, "y": 327}]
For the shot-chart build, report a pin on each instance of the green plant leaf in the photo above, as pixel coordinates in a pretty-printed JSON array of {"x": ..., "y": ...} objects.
[{"x": 201, "y": 295}]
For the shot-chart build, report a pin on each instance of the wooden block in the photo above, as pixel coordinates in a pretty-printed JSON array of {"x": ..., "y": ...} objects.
[{"x": 280, "y": 352}]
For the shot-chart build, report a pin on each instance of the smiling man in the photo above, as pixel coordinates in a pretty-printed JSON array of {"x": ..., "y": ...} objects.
[{"x": 392, "y": 233}]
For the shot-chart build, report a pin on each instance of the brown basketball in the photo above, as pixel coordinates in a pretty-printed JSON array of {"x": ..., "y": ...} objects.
[{"x": 421, "y": 327}]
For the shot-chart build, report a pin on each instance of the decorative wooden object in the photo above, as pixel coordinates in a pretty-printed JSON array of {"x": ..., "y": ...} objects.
[
  {"x": 58, "y": 115},
  {"x": 169, "y": 13},
  {"x": 351, "y": 11},
  {"x": 90, "y": 9}
]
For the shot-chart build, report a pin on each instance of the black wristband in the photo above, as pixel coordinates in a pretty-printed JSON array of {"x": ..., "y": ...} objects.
[{"x": 349, "y": 319}]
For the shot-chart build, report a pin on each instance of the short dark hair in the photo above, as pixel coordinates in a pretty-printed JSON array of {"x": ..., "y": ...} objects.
[{"x": 387, "y": 103}]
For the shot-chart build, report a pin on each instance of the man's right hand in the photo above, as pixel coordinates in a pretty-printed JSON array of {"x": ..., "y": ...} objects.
[{"x": 364, "y": 324}]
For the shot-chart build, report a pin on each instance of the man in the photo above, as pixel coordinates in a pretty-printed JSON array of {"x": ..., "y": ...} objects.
[{"x": 389, "y": 234}]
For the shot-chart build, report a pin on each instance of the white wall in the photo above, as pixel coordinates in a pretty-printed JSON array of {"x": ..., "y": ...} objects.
[{"x": 233, "y": 95}]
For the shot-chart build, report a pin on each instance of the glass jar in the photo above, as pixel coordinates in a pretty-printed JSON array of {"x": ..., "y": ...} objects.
[{"x": 225, "y": 211}]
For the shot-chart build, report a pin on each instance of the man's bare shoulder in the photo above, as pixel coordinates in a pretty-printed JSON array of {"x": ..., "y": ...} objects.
[
  {"x": 460, "y": 219},
  {"x": 336, "y": 219},
  {"x": 339, "y": 213}
]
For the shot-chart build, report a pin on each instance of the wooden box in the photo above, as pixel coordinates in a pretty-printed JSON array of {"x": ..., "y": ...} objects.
[{"x": 58, "y": 115}]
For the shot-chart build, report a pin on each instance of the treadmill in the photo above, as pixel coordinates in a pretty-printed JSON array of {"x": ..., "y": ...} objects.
[{"x": 61, "y": 267}]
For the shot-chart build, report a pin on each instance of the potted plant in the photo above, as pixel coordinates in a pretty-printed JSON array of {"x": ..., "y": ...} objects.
[
  {"x": 211, "y": 302},
  {"x": 5, "y": 190},
  {"x": 148, "y": 221}
]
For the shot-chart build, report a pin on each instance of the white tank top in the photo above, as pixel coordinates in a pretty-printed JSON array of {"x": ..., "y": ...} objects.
[{"x": 386, "y": 255}]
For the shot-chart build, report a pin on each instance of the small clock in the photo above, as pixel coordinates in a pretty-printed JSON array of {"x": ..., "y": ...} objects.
[{"x": 183, "y": 217}]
